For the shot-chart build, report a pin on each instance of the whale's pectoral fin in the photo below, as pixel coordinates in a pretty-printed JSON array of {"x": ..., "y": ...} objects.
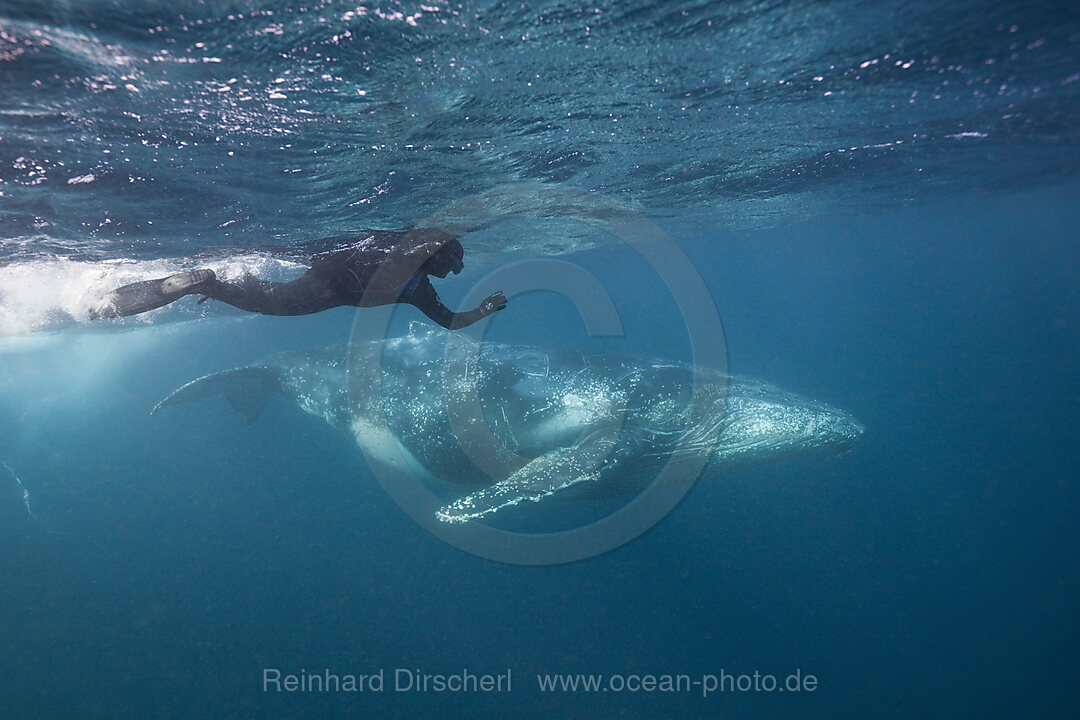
[
  {"x": 245, "y": 389},
  {"x": 539, "y": 478}
]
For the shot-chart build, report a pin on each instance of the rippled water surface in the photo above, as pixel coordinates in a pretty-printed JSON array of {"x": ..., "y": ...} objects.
[{"x": 134, "y": 129}]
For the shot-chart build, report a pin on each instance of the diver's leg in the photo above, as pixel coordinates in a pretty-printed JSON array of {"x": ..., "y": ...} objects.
[
  {"x": 151, "y": 294},
  {"x": 307, "y": 294}
]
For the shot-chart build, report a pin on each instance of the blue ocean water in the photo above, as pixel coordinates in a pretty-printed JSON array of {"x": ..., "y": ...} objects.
[{"x": 879, "y": 197}]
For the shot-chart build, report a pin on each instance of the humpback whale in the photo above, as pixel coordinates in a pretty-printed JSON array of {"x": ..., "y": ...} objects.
[{"x": 508, "y": 423}]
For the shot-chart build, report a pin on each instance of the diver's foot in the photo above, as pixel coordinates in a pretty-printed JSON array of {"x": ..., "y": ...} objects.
[{"x": 186, "y": 282}]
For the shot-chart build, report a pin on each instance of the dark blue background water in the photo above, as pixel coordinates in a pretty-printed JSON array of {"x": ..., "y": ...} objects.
[{"x": 930, "y": 288}]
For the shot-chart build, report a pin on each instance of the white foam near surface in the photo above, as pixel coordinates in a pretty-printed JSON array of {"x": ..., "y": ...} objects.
[{"x": 48, "y": 295}]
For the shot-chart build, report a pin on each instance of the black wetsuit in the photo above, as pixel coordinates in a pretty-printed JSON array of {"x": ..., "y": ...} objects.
[
  {"x": 380, "y": 268},
  {"x": 377, "y": 268}
]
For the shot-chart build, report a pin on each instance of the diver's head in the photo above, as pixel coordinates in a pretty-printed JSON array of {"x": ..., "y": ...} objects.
[{"x": 450, "y": 258}]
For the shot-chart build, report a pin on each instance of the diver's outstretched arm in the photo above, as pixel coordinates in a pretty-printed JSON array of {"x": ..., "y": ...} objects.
[{"x": 429, "y": 303}]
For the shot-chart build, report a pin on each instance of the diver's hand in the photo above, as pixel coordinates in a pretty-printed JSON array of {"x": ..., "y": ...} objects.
[{"x": 493, "y": 303}]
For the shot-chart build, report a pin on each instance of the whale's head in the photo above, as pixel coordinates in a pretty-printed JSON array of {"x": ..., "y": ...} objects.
[{"x": 760, "y": 421}]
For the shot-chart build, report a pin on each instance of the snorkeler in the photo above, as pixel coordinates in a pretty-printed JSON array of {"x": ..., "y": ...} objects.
[{"x": 378, "y": 268}]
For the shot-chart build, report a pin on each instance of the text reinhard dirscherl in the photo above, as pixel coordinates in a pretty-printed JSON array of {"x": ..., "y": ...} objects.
[
  {"x": 404, "y": 680},
  {"x": 397, "y": 680}
]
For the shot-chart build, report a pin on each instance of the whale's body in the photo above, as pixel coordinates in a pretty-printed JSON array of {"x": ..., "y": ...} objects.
[{"x": 512, "y": 423}]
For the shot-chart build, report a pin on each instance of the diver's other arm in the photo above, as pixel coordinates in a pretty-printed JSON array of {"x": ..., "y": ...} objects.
[{"x": 430, "y": 305}]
